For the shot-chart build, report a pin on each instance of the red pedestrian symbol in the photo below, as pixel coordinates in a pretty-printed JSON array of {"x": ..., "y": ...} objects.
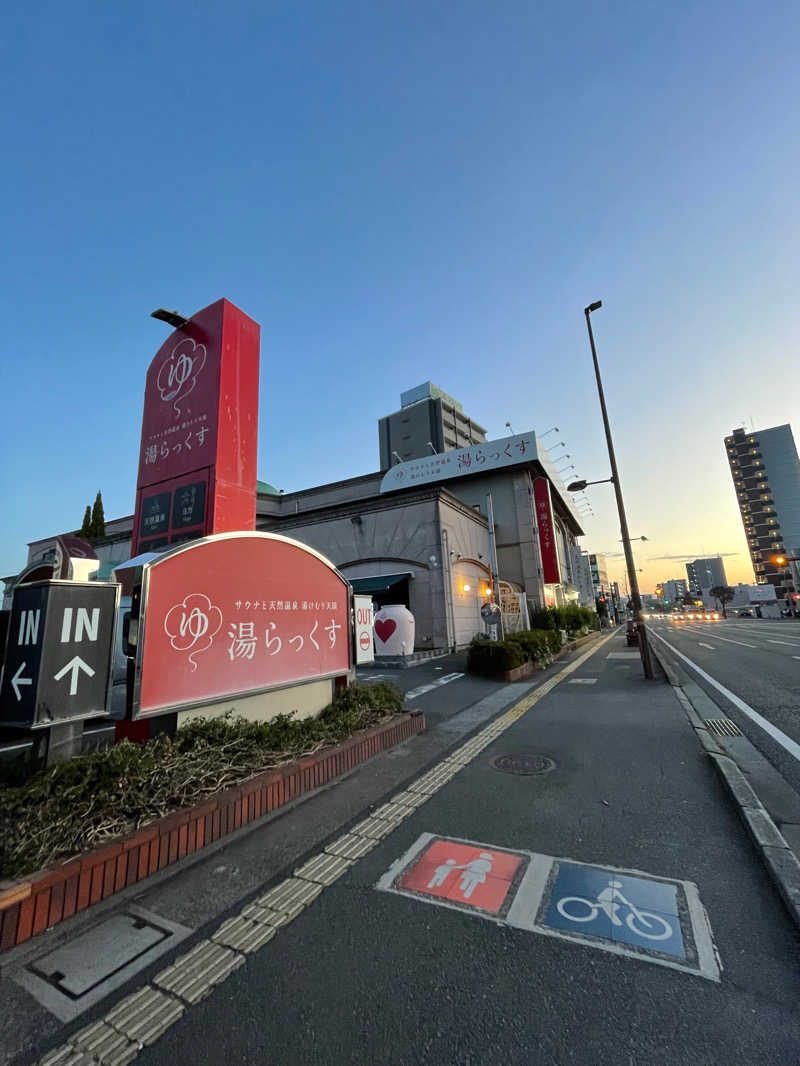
[{"x": 473, "y": 875}]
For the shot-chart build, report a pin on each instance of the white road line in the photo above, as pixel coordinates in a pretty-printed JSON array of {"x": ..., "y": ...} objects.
[
  {"x": 727, "y": 639},
  {"x": 796, "y": 656},
  {"x": 788, "y": 643},
  {"x": 412, "y": 695},
  {"x": 709, "y": 646},
  {"x": 778, "y": 735}
]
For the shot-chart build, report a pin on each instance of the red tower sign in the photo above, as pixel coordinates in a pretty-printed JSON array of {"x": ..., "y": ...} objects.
[
  {"x": 547, "y": 537},
  {"x": 197, "y": 464}
]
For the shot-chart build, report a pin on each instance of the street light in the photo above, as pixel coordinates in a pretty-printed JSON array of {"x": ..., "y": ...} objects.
[
  {"x": 644, "y": 649},
  {"x": 172, "y": 318},
  {"x": 579, "y": 486}
]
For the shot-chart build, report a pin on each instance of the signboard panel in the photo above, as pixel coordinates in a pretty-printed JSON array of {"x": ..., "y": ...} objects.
[
  {"x": 200, "y": 427},
  {"x": 364, "y": 638},
  {"x": 458, "y": 462},
  {"x": 544, "y": 522},
  {"x": 58, "y": 653},
  {"x": 235, "y": 614}
]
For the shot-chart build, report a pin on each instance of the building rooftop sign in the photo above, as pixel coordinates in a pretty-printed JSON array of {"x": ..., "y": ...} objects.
[{"x": 460, "y": 462}]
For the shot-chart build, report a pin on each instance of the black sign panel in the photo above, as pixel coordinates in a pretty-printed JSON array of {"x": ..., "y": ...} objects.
[
  {"x": 188, "y": 505},
  {"x": 58, "y": 655},
  {"x": 153, "y": 545},
  {"x": 155, "y": 514},
  {"x": 23, "y": 655},
  {"x": 182, "y": 538}
]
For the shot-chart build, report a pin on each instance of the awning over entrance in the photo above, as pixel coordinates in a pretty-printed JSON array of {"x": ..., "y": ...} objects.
[{"x": 377, "y": 584}]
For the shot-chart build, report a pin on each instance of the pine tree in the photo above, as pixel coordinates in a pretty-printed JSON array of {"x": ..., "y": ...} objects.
[
  {"x": 86, "y": 529},
  {"x": 98, "y": 523}
]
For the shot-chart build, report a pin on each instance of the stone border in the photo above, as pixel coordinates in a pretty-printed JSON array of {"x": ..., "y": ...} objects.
[
  {"x": 51, "y": 896},
  {"x": 776, "y": 853}
]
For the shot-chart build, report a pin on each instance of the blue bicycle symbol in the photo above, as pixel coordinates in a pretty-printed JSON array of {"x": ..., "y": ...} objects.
[{"x": 610, "y": 900}]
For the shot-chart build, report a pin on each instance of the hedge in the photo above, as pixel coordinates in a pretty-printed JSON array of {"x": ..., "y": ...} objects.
[
  {"x": 490, "y": 658},
  {"x": 78, "y": 805},
  {"x": 573, "y": 618}
]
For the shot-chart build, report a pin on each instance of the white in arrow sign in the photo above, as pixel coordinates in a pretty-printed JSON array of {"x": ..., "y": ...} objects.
[
  {"x": 75, "y": 665},
  {"x": 17, "y": 682}
]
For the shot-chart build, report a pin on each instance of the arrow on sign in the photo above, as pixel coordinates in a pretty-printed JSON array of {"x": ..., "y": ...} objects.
[
  {"x": 17, "y": 682},
  {"x": 75, "y": 665}
]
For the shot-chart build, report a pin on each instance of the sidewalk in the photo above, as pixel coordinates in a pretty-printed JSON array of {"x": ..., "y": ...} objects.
[{"x": 438, "y": 969}]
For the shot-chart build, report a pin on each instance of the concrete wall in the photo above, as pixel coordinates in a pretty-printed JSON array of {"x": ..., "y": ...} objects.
[
  {"x": 518, "y": 556},
  {"x": 302, "y": 701},
  {"x": 398, "y": 538},
  {"x": 466, "y": 535}
]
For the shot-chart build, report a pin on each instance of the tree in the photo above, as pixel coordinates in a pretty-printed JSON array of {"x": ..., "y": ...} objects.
[
  {"x": 98, "y": 524},
  {"x": 86, "y": 529},
  {"x": 722, "y": 594},
  {"x": 687, "y": 599}
]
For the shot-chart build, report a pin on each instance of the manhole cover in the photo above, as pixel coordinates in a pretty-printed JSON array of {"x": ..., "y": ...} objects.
[{"x": 522, "y": 764}]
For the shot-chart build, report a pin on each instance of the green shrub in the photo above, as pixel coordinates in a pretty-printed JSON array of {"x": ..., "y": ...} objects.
[
  {"x": 78, "y": 805},
  {"x": 543, "y": 618},
  {"x": 538, "y": 644},
  {"x": 491, "y": 658}
]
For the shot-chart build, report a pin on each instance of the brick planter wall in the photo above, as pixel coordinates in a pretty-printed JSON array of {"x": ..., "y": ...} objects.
[{"x": 43, "y": 899}]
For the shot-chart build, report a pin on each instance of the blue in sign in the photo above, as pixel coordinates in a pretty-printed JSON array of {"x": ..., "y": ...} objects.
[{"x": 617, "y": 907}]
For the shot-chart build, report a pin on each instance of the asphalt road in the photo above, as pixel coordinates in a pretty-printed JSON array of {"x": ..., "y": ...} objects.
[
  {"x": 758, "y": 661},
  {"x": 364, "y": 976}
]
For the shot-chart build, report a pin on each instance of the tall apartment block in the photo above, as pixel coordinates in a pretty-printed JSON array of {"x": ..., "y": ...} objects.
[
  {"x": 706, "y": 573},
  {"x": 428, "y": 421},
  {"x": 766, "y": 475}
]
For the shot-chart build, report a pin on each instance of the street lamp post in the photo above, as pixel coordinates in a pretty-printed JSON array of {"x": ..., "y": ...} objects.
[{"x": 644, "y": 648}]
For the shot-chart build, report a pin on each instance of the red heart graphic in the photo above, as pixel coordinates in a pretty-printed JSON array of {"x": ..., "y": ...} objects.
[{"x": 384, "y": 627}]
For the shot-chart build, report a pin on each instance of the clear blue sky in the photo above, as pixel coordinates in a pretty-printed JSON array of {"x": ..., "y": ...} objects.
[{"x": 399, "y": 192}]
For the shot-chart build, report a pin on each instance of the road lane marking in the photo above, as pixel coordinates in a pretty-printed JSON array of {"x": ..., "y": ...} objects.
[
  {"x": 727, "y": 639},
  {"x": 412, "y": 695},
  {"x": 777, "y": 734},
  {"x": 709, "y": 646},
  {"x": 788, "y": 643}
]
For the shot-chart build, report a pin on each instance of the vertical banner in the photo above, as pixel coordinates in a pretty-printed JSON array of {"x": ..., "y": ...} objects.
[{"x": 544, "y": 522}]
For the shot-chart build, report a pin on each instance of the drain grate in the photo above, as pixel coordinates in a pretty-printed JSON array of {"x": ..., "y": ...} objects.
[
  {"x": 723, "y": 727},
  {"x": 522, "y": 764}
]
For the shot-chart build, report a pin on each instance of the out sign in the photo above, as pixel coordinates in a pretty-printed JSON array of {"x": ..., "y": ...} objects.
[{"x": 364, "y": 622}]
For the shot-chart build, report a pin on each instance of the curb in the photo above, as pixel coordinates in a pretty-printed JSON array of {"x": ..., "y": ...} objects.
[
  {"x": 777, "y": 855},
  {"x": 44, "y": 899}
]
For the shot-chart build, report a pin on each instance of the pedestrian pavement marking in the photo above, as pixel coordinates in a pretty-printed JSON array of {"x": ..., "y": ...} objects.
[
  {"x": 624, "y": 655},
  {"x": 626, "y": 912},
  {"x": 193, "y": 976},
  {"x": 777, "y": 734},
  {"x": 422, "y": 689}
]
